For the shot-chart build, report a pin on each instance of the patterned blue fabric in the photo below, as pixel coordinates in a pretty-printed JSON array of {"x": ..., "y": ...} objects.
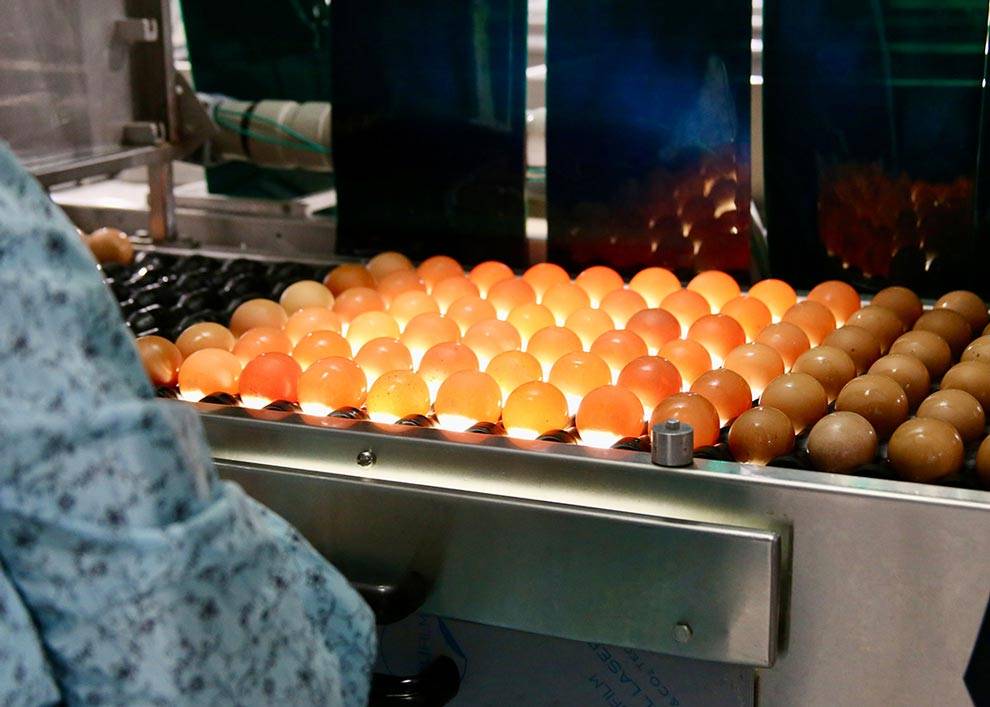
[{"x": 130, "y": 573}]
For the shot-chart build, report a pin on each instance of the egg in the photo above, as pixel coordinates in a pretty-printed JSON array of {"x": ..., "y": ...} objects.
[
  {"x": 777, "y": 295},
  {"x": 959, "y": 409},
  {"x": 759, "y": 435},
  {"x": 978, "y": 350},
  {"x": 110, "y": 245},
  {"x": 617, "y": 348},
  {"x": 840, "y": 298},
  {"x": 451, "y": 289},
  {"x": 384, "y": 264},
  {"x": 439, "y": 267},
  {"x": 687, "y": 306},
  {"x": 902, "y": 302},
  {"x": 908, "y": 372},
  {"x": 726, "y": 390},
  {"x": 971, "y": 376},
  {"x": 310, "y": 319},
  {"x": 257, "y": 313},
  {"x": 549, "y": 344},
  {"x": 379, "y": 356},
  {"x": 830, "y": 366},
  {"x": 622, "y": 304},
  {"x": 654, "y": 284},
  {"x": 929, "y": 348},
  {"x": 467, "y": 398},
  {"x": 534, "y": 408},
  {"x": 692, "y": 409},
  {"x": 689, "y": 358},
  {"x": 719, "y": 334},
  {"x": 371, "y": 325},
  {"x": 787, "y": 339},
  {"x": 506, "y": 295},
  {"x": 715, "y": 286},
  {"x": 654, "y": 326},
  {"x": 397, "y": 394},
  {"x": 576, "y": 374},
  {"x": 358, "y": 300},
  {"x": 563, "y": 299},
  {"x": 491, "y": 337},
  {"x": 395, "y": 283},
  {"x": 589, "y": 324},
  {"x": 842, "y": 442},
  {"x": 757, "y": 363},
  {"x": 529, "y": 318},
  {"x": 983, "y": 463},
  {"x": 651, "y": 379},
  {"x": 443, "y": 360},
  {"x": 607, "y": 414},
  {"x": 925, "y": 450},
  {"x": 331, "y": 384},
  {"x": 486, "y": 274},
  {"x": 320, "y": 344},
  {"x": 972, "y": 308},
  {"x": 426, "y": 330},
  {"x": 950, "y": 325},
  {"x": 511, "y": 369},
  {"x": 259, "y": 340},
  {"x": 408, "y": 305},
  {"x": 877, "y": 398},
  {"x": 882, "y": 323},
  {"x": 542, "y": 276},
  {"x": 347, "y": 276},
  {"x": 860, "y": 345},
  {"x": 267, "y": 378},
  {"x": 305, "y": 293},
  {"x": 205, "y": 335},
  {"x": 208, "y": 371},
  {"x": 470, "y": 310},
  {"x": 813, "y": 318},
  {"x": 799, "y": 396},
  {"x": 753, "y": 316},
  {"x": 597, "y": 281},
  {"x": 161, "y": 359}
]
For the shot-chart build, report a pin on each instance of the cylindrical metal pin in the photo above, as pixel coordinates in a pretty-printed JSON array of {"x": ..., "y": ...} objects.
[{"x": 673, "y": 444}]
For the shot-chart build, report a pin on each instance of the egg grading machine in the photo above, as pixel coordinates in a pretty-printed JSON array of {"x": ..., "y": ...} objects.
[{"x": 789, "y": 587}]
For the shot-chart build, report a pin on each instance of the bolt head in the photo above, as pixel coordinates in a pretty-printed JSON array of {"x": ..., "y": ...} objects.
[
  {"x": 366, "y": 458},
  {"x": 682, "y": 632}
]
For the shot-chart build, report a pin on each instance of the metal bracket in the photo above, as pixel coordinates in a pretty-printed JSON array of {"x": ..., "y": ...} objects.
[
  {"x": 143, "y": 133},
  {"x": 136, "y": 30}
]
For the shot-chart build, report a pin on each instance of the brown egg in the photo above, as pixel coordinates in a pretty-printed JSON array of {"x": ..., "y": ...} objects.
[
  {"x": 813, "y": 318},
  {"x": 971, "y": 376},
  {"x": 303, "y": 294},
  {"x": 978, "y": 350},
  {"x": 861, "y": 345},
  {"x": 877, "y": 398},
  {"x": 110, "y": 245},
  {"x": 840, "y": 297},
  {"x": 787, "y": 339},
  {"x": 161, "y": 359},
  {"x": 830, "y": 366},
  {"x": 257, "y": 313},
  {"x": 948, "y": 324},
  {"x": 925, "y": 450},
  {"x": 799, "y": 396},
  {"x": 969, "y": 305},
  {"x": 759, "y": 435},
  {"x": 882, "y": 323},
  {"x": 929, "y": 348},
  {"x": 959, "y": 409},
  {"x": 983, "y": 463},
  {"x": 348, "y": 275},
  {"x": 384, "y": 264},
  {"x": 842, "y": 442},
  {"x": 205, "y": 335},
  {"x": 908, "y": 372},
  {"x": 902, "y": 302}
]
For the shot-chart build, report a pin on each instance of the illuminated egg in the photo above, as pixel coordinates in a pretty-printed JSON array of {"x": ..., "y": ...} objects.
[
  {"x": 830, "y": 366},
  {"x": 564, "y": 299},
  {"x": 654, "y": 326},
  {"x": 687, "y": 306},
  {"x": 410, "y": 304},
  {"x": 486, "y": 274},
  {"x": 652, "y": 379},
  {"x": 861, "y": 345},
  {"x": 622, "y": 304},
  {"x": 589, "y": 324},
  {"x": 760, "y": 434},
  {"x": 813, "y": 318},
  {"x": 972, "y": 308},
  {"x": 971, "y": 376},
  {"x": 529, "y": 318},
  {"x": 777, "y": 295},
  {"x": 357, "y": 300},
  {"x": 426, "y": 330},
  {"x": 654, "y": 284},
  {"x": 578, "y": 373},
  {"x": 840, "y": 298},
  {"x": 308, "y": 320},
  {"x": 692, "y": 409},
  {"x": 959, "y": 409},
  {"x": 617, "y": 348},
  {"x": 330, "y": 384},
  {"x": 506, "y": 295},
  {"x": 902, "y": 302},
  {"x": 320, "y": 344},
  {"x": 161, "y": 359},
  {"x": 439, "y": 267},
  {"x": 978, "y": 350},
  {"x": 715, "y": 286},
  {"x": 394, "y": 284},
  {"x": 908, "y": 372},
  {"x": 511, "y": 369},
  {"x": 542, "y": 276},
  {"x": 607, "y": 414},
  {"x": 379, "y": 356},
  {"x": 490, "y": 338},
  {"x": 384, "y": 264},
  {"x": 882, "y": 323},
  {"x": 208, "y": 371},
  {"x": 267, "y": 378},
  {"x": 466, "y": 398},
  {"x": 877, "y": 398},
  {"x": 348, "y": 276},
  {"x": 719, "y": 334},
  {"x": 799, "y": 396},
  {"x": 757, "y": 363},
  {"x": 205, "y": 335},
  {"x": 753, "y": 316},
  {"x": 255, "y": 313},
  {"x": 727, "y": 391},
  {"x": 842, "y": 442},
  {"x": 305, "y": 293},
  {"x": 929, "y": 348},
  {"x": 442, "y": 360},
  {"x": 468, "y": 311},
  {"x": 259, "y": 340},
  {"x": 925, "y": 450},
  {"x": 983, "y": 463},
  {"x": 598, "y": 281},
  {"x": 451, "y": 289},
  {"x": 397, "y": 394},
  {"x": 371, "y": 325},
  {"x": 948, "y": 324},
  {"x": 788, "y": 340},
  {"x": 534, "y": 408},
  {"x": 689, "y": 358},
  {"x": 549, "y": 344}
]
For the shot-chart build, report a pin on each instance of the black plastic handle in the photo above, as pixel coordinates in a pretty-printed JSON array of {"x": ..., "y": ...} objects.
[
  {"x": 436, "y": 685},
  {"x": 394, "y": 602}
]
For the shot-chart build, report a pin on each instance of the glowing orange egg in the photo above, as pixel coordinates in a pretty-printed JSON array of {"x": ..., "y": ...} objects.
[
  {"x": 486, "y": 274},
  {"x": 578, "y": 373},
  {"x": 652, "y": 379},
  {"x": 727, "y": 391},
  {"x": 788, "y": 340},
  {"x": 534, "y": 408},
  {"x": 371, "y": 325},
  {"x": 451, "y": 289},
  {"x": 356, "y": 300},
  {"x": 689, "y": 358},
  {"x": 719, "y": 334},
  {"x": 529, "y": 318},
  {"x": 777, "y": 295},
  {"x": 380, "y": 356},
  {"x": 511, "y": 369},
  {"x": 409, "y": 304},
  {"x": 490, "y": 338},
  {"x": 813, "y": 318},
  {"x": 348, "y": 276},
  {"x": 757, "y": 363},
  {"x": 840, "y": 298},
  {"x": 438, "y": 268},
  {"x": 589, "y": 324},
  {"x": 161, "y": 359},
  {"x": 320, "y": 344},
  {"x": 753, "y": 316},
  {"x": 468, "y": 311},
  {"x": 687, "y": 306},
  {"x": 506, "y": 295},
  {"x": 691, "y": 409},
  {"x": 305, "y": 293},
  {"x": 598, "y": 281},
  {"x": 331, "y": 384},
  {"x": 715, "y": 286},
  {"x": 607, "y": 414},
  {"x": 563, "y": 299},
  {"x": 397, "y": 394},
  {"x": 655, "y": 327},
  {"x": 466, "y": 398},
  {"x": 549, "y": 344},
  {"x": 205, "y": 335},
  {"x": 267, "y": 378},
  {"x": 255, "y": 313},
  {"x": 259, "y": 340},
  {"x": 444, "y": 359},
  {"x": 208, "y": 371},
  {"x": 654, "y": 284},
  {"x": 384, "y": 264},
  {"x": 308, "y": 320},
  {"x": 617, "y": 348},
  {"x": 394, "y": 284},
  {"x": 426, "y": 330},
  {"x": 543, "y": 276},
  {"x": 622, "y": 304}
]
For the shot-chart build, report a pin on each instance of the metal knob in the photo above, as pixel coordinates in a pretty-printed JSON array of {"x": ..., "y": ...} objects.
[{"x": 673, "y": 444}]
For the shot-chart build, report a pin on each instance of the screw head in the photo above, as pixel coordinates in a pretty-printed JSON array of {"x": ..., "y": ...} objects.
[
  {"x": 682, "y": 632},
  {"x": 366, "y": 458},
  {"x": 672, "y": 424}
]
